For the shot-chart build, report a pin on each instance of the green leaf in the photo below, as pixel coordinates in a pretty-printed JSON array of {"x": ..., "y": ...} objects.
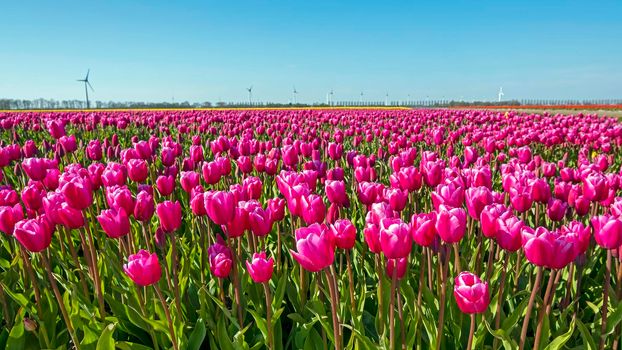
[
  {"x": 223, "y": 338},
  {"x": 511, "y": 321},
  {"x": 106, "y": 341},
  {"x": 17, "y": 336},
  {"x": 280, "y": 292},
  {"x": 89, "y": 341},
  {"x": 588, "y": 340},
  {"x": 559, "y": 342},
  {"x": 197, "y": 336},
  {"x": 124, "y": 345},
  {"x": 502, "y": 335},
  {"x": 614, "y": 318},
  {"x": 260, "y": 323}
]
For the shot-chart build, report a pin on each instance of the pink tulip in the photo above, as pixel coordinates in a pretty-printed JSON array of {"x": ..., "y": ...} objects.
[
  {"x": 397, "y": 198},
  {"x": 169, "y": 215},
  {"x": 472, "y": 295},
  {"x": 143, "y": 268},
  {"x": 595, "y": 187},
  {"x": 313, "y": 209},
  {"x": 344, "y": 233},
  {"x": 450, "y": 224},
  {"x": 607, "y": 231},
  {"x": 315, "y": 247},
  {"x": 220, "y": 206},
  {"x": 78, "y": 193},
  {"x": 34, "y": 234},
  {"x": 35, "y": 168},
  {"x": 259, "y": 221},
  {"x": 9, "y": 216},
  {"x": 259, "y": 268},
  {"x": 144, "y": 206},
  {"x": 336, "y": 192},
  {"x": 115, "y": 223},
  {"x": 400, "y": 263},
  {"x": 395, "y": 238},
  {"x": 547, "y": 248},
  {"x": 189, "y": 180},
  {"x": 476, "y": 199},
  {"x": 137, "y": 170},
  {"x": 423, "y": 228},
  {"x": 220, "y": 259}
]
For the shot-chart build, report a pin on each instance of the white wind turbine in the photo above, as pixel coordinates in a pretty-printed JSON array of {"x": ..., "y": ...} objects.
[
  {"x": 250, "y": 94},
  {"x": 294, "y": 93},
  {"x": 501, "y": 94}
]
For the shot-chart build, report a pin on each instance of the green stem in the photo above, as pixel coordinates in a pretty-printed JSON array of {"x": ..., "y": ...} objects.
[
  {"x": 168, "y": 316},
  {"x": 532, "y": 299},
  {"x": 59, "y": 299}
]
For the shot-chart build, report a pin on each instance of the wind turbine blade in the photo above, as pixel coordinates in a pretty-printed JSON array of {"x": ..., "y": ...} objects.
[
  {"x": 90, "y": 86},
  {"x": 87, "y": 74}
]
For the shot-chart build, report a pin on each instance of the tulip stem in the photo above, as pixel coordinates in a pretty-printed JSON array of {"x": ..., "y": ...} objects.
[
  {"x": 76, "y": 262},
  {"x": 236, "y": 286},
  {"x": 616, "y": 341},
  {"x": 457, "y": 262},
  {"x": 59, "y": 299},
  {"x": 401, "y": 318},
  {"x": 428, "y": 254},
  {"x": 351, "y": 282},
  {"x": 278, "y": 248},
  {"x": 471, "y": 332},
  {"x": 543, "y": 308},
  {"x": 141, "y": 305},
  {"x": 504, "y": 271},
  {"x": 603, "y": 327},
  {"x": 334, "y": 305},
  {"x": 517, "y": 269},
  {"x": 35, "y": 286},
  {"x": 421, "y": 280},
  {"x": 5, "y": 307},
  {"x": 174, "y": 271},
  {"x": 266, "y": 288},
  {"x": 441, "y": 317},
  {"x": 491, "y": 253},
  {"x": 532, "y": 299},
  {"x": 380, "y": 299},
  {"x": 392, "y": 307},
  {"x": 98, "y": 287},
  {"x": 168, "y": 315}
]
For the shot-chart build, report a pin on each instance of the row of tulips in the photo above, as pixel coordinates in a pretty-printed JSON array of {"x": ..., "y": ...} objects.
[{"x": 310, "y": 229}]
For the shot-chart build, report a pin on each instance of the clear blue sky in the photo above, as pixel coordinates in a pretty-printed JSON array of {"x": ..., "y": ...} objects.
[{"x": 211, "y": 50}]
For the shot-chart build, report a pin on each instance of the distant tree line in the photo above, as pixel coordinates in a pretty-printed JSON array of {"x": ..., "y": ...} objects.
[{"x": 41, "y": 103}]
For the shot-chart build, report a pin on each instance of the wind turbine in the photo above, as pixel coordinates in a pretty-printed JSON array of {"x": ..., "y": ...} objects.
[
  {"x": 294, "y": 93},
  {"x": 250, "y": 94},
  {"x": 386, "y": 99},
  {"x": 501, "y": 94},
  {"x": 86, "y": 91},
  {"x": 331, "y": 97},
  {"x": 361, "y": 100}
]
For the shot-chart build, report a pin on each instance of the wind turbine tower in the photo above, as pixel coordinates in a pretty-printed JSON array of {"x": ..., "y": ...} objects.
[
  {"x": 501, "y": 94},
  {"x": 250, "y": 94},
  {"x": 86, "y": 90}
]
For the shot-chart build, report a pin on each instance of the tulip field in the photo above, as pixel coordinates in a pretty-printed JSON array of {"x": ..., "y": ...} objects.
[{"x": 310, "y": 229}]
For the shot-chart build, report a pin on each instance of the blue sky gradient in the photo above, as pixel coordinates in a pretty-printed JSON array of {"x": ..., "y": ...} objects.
[{"x": 212, "y": 50}]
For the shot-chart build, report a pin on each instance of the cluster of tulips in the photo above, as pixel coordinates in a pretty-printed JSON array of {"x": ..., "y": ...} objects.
[{"x": 290, "y": 229}]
